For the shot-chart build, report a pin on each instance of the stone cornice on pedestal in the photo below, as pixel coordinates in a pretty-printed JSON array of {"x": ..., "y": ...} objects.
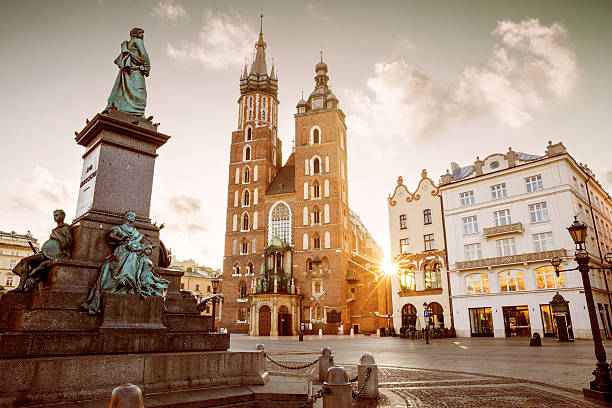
[
  {"x": 123, "y": 123},
  {"x": 511, "y": 260}
]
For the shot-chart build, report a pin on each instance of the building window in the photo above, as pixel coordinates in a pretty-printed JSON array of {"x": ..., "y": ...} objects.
[
  {"x": 249, "y": 269},
  {"x": 182, "y": 286},
  {"x": 244, "y": 313},
  {"x": 249, "y": 134},
  {"x": 498, "y": 191},
  {"x": 466, "y": 198},
  {"x": 317, "y": 288},
  {"x": 470, "y": 225},
  {"x": 403, "y": 221},
  {"x": 234, "y": 247},
  {"x": 246, "y": 178},
  {"x": 309, "y": 265},
  {"x": 477, "y": 283},
  {"x": 236, "y": 269},
  {"x": 316, "y": 190},
  {"x": 208, "y": 288},
  {"x": 546, "y": 278},
  {"x": 316, "y": 241},
  {"x": 429, "y": 242},
  {"x": 534, "y": 183},
  {"x": 511, "y": 281},
  {"x": 407, "y": 279},
  {"x": 404, "y": 246},
  {"x": 243, "y": 290},
  {"x": 316, "y": 137},
  {"x": 427, "y": 217},
  {"x": 316, "y": 166},
  {"x": 197, "y": 288},
  {"x": 280, "y": 223},
  {"x": 538, "y": 212},
  {"x": 316, "y": 216},
  {"x": 433, "y": 276},
  {"x": 247, "y": 153},
  {"x": 246, "y": 198},
  {"x": 472, "y": 252},
  {"x": 502, "y": 217},
  {"x": 245, "y": 222},
  {"x": 543, "y": 242},
  {"x": 505, "y": 247},
  {"x": 244, "y": 247}
]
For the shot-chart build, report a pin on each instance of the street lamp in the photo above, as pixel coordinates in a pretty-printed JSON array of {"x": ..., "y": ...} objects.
[
  {"x": 601, "y": 387},
  {"x": 215, "y": 285}
]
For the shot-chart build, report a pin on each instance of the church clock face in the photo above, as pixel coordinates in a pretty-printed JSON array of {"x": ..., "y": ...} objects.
[{"x": 317, "y": 103}]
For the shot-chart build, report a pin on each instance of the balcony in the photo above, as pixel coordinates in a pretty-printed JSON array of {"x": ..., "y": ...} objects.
[
  {"x": 511, "y": 260},
  {"x": 502, "y": 229}
]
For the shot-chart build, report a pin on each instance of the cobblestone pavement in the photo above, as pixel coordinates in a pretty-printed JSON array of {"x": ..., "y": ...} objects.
[{"x": 483, "y": 373}]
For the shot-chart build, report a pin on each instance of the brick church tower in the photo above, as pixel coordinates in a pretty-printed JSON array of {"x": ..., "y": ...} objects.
[
  {"x": 322, "y": 229},
  {"x": 296, "y": 257},
  {"x": 255, "y": 157}
]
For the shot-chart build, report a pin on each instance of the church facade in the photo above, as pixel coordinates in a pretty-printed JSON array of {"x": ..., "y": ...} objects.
[{"x": 296, "y": 257}]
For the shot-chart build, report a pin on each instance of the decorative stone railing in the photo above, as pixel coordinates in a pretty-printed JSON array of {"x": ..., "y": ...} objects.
[
  {"x": 502, "y": 229},
  {"x": 512, "y": 259}
]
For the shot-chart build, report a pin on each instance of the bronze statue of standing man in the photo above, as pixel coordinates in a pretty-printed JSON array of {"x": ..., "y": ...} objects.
[{"x": 129, "y": 93}]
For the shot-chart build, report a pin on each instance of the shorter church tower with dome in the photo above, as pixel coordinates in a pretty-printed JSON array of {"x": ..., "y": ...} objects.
[{"x": 297, "y": 259}]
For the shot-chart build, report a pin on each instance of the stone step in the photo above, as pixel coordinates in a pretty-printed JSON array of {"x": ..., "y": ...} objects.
[
  {"x": 187, "y": 322},
  {"x": 60, "y": 320},
  {"x": 108, "y": 342}
]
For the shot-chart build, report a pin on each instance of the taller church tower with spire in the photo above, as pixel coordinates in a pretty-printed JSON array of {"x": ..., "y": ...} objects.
[{"x": 296, "y": 257}]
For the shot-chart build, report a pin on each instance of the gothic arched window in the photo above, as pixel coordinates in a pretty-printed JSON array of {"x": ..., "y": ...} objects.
[
  {"x": 243, "y": 290},
  {"x": 249, "y": 268},
  {"x": 316, "y": 165},
  {"x": 245, "y": 222},
  {"x": 246, "y": 178},
  {"x": 316, "y": 215},
  {"x": 280, "y": 223},
  {"x": 244, "y": 247},
  {"x": 249, "y": 134},
  {"x": 247, "y": 153},
  {"x": 316, "y": 190},
  {"x": 316, "y": 241},
  {"x": 246, "y": 198},
  {"x": 309, "y": 265},
  {"x": 316, "y": 138}
]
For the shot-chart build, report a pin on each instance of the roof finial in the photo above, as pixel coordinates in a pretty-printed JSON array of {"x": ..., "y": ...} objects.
[
  {"x": 321, "y": 55},
  {"x": 261, "y": 24},
  {"x": 302, "y": 94}
]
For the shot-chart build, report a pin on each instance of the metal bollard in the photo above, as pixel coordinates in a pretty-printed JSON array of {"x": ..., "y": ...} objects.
[
  {"x": 367, "y": 361},
  {"x": 126, "y": 396},
  {"x": 259, "y": 347},
  {"x": 341, "y": 391},
  {"x": 325, "y": 360}
]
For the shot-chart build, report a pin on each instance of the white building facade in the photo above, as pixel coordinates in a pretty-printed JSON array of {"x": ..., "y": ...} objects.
[
  {"x": 418, "y": 250},
  {"x": 505, "y": 218}
]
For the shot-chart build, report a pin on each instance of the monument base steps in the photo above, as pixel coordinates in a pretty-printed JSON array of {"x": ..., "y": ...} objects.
[
  {"x": 279, "y": 392},
  {"x": 69, "y": 379}
]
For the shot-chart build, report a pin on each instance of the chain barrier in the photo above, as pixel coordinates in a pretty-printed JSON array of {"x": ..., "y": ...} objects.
[
  {"x": 291, "y": 367},
  {"x": 363, "y": 386},
  {"x": 324, "y": 390},
  {"x": 354, "y": 379},
  {"x": 331, "y": 361}
]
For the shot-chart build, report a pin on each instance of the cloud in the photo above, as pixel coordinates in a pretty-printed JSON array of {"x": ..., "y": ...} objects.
[
  {"x": 531, "y": 68},
  {"x": 28, "y": 202},
  {"x": 168, "y": 10},
  {"x": 312, "y": 8},
  {"x": 223, "y": 41},
  {"x": 187, "y": 232}
]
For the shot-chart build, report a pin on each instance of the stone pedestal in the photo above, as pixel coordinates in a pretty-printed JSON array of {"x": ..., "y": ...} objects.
[{"x": 53, "y": 351}]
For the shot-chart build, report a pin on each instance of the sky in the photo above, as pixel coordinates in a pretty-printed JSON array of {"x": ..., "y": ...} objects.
[{"x": 422, "y": 84}]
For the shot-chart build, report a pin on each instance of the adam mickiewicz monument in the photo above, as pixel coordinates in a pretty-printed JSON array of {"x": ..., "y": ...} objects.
[{"x": 100, "y": 307}]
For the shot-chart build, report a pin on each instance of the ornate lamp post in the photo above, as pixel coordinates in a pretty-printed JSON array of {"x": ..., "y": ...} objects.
[
  {"x": 601, "y": 387},
  {"x": 215, "y": 286}
]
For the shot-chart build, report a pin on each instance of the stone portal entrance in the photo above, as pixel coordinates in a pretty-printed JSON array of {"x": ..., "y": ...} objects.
[
  {"x": 265, "y": 321},
  {"x": 284, "y": 321}
]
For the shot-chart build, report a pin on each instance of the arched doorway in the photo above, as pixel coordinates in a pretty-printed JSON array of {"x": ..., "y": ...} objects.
[
  {"x": 409, "y": 316},
  {"x": 284, "y": 321},
  {"x": 265, "y": 320},
  {"x": 436, "y": 315}
]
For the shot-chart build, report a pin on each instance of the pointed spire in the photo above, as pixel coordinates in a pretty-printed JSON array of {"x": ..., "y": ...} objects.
[
  {"x": 259, "y": 66},
  {"x": 244, "y": 72}
]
